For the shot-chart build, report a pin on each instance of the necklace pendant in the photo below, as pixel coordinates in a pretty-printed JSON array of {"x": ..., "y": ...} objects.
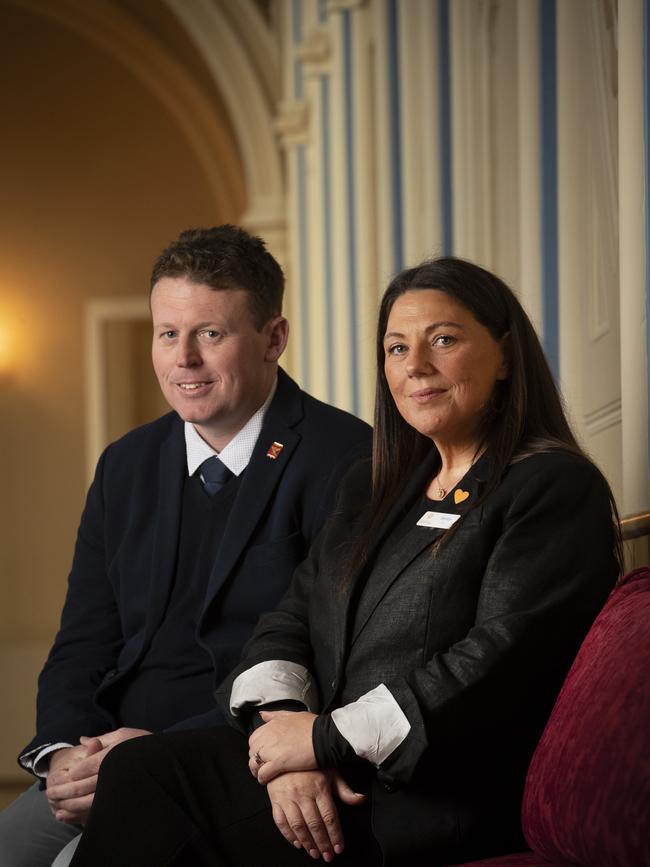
[{"x": 441, "y": 493}]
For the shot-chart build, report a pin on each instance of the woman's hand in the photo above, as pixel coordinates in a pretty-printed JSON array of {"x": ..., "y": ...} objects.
[
  {"x": 305, "y": 812},
  {"x": 283, "y": 743}
]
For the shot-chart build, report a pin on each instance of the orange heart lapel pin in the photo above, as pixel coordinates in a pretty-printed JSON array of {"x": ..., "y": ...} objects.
[{"x": 460, "y": 496}]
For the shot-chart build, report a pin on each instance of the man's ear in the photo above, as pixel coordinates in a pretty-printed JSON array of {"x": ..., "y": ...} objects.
[
  {"x": 504, "y": 369},
  {"x": 277, "y": 330}
]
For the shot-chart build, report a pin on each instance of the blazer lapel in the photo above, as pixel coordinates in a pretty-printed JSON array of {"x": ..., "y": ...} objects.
[
  {"x": 413, "y": 488},
  {"x": 261, "y": 478},
  {"x": 172, "y": 468},
  {"x": 399, "y": 557},
  {"x": 388, "y": 570}
]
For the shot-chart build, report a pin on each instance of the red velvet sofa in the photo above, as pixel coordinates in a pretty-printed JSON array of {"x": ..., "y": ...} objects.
[{"x": 587, "y": 795}]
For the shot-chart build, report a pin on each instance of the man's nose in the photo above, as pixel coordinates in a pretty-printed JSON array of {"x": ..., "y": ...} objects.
[{"x": 187, "y": 353}]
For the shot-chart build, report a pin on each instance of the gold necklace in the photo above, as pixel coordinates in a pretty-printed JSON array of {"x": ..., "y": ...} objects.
[{"x": 441, "y": 492}]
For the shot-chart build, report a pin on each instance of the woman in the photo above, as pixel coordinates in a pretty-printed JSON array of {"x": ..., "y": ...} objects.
[{"x": 404, "y": 680}]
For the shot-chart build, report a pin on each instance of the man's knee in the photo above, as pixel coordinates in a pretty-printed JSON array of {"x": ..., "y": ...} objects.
[
  {"x": 30, "y": 836},
  {"x": 64, "y": 857}
]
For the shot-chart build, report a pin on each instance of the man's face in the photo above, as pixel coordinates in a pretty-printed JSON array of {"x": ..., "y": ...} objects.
[{"x": 213, "y": 365}]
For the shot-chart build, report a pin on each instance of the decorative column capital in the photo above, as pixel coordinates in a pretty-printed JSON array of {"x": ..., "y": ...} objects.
[
  {"x": 316, "y": 51},
  {"x": 340, "y": 5},
  {"x": 292, "y": 122}
]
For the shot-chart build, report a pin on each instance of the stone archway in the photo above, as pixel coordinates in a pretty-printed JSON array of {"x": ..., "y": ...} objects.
[
  {"x": 122, "y": 36},
  {"x": 238, "y": 48}
]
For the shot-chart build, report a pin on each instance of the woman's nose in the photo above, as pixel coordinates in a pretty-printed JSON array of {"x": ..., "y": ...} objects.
[{"x": 419, "y": 361}]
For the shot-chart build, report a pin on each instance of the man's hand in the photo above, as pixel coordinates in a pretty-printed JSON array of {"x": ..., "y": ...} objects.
[
  {"x": 72, "y": 778},
  {"x": 283, "y": 743},
  {"x": 59, "y": 781},
  {"x": 305, "y": 812}
]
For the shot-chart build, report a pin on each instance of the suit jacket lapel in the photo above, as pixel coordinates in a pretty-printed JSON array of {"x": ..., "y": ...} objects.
[
  {"x": 413, "y": 488},
  {"x": 172, "y": 468},
  {"x": 261, "y": 477},
  {"x": 399, "y": 557}
]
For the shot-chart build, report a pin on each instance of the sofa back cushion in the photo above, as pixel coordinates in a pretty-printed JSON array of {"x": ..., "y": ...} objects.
[{"x": 587, "y": 797}]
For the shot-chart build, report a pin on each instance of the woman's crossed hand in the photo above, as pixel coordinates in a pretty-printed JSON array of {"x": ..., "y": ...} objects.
[
  {"x": 305, "y": 812},
  {"x": 281, "y": 756},
  {"x": 283, "y": 743}
]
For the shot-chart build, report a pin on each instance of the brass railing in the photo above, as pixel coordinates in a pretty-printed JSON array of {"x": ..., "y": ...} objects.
[{"x": 635, "y": 526}]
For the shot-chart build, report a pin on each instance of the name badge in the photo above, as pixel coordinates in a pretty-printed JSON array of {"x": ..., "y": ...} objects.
[{"x": 438, "y": 520}]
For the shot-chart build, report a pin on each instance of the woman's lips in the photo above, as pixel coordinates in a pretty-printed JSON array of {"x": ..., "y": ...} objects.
[{"x": 424, "y": 395}]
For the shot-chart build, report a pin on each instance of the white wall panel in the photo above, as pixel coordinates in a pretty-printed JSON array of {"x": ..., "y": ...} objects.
[{"x": 633, "y": 258}]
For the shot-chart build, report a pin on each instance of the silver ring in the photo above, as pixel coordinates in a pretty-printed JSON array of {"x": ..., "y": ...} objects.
[{"x": 258, "y": 759}]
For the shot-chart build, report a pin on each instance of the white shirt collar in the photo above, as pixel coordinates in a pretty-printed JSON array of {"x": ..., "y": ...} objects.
[{"x": 237, "y": 454}]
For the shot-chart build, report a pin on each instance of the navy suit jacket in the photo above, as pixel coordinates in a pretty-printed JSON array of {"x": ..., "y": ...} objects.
[{"x": 125, "y": 554}]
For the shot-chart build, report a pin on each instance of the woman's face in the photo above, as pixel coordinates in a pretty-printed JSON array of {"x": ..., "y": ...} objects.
[{"x": 441, "y": 365}]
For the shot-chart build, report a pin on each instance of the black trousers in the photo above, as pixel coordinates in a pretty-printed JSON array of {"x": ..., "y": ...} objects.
[{"x": 187, "y": 799}]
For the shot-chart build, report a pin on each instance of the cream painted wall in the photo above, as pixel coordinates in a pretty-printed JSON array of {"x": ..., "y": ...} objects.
[{"x": 97, "y": 175}]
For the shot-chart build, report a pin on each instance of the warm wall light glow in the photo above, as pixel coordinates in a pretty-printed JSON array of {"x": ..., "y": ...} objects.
[{"x": 6, "y": 349}]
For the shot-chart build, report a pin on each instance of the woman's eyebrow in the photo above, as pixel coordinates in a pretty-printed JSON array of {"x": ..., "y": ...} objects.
[{"x": 432, "y": 327}]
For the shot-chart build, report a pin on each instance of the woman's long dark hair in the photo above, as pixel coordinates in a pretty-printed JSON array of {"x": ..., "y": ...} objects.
[{"x": 526, "y": 415}]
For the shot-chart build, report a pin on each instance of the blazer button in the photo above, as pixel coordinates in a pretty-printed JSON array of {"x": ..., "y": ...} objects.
[
  {"x": 333, "y": 684},
  {"x": 389, "y": 787}
]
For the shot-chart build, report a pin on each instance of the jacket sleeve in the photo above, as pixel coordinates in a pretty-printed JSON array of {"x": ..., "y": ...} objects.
[
  {"x": 546, "y": 579},
  {"x": 282, "y": 634},
  {"x": 88, "y": 641}
]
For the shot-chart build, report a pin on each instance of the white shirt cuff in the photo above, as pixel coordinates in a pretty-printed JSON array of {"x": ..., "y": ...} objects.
[
  {"x": 34, "y": 761},
  {"x": 374, "y": 725},
  {"x": 274, "y": 680}
]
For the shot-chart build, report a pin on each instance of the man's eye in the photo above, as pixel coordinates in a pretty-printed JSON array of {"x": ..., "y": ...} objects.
[
  {"x": 168, "y": 334},
  {"x": 210, "y": 333}
]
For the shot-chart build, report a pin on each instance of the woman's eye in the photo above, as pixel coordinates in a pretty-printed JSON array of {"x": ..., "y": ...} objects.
[
  {"x": 397, "y": 349},
  {"x": 444, "y": 340}
]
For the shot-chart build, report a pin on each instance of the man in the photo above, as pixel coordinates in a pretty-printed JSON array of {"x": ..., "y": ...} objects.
[{"x": 178, "y": 550}]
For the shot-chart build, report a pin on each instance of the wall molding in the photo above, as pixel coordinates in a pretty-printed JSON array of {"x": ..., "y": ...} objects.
[
  {"x": 224, "y": 40},
  {"x": 98, "y": 312},
  {"x": 292, "y": 122},
  {"x": 315, "y": 51},
  {"x": 604, "y": 417}
]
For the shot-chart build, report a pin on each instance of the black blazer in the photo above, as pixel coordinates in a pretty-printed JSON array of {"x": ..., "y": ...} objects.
[
  {"x": 473, "y": 641},
  {"x": 125, "y": 553}
]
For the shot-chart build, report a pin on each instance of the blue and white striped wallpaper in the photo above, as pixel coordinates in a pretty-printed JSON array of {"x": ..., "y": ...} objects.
[
  {"x": 356, "y": 169},
  {"x": 549, "y": 182},
  {"x": 347, "y": 25},
  {"x": 646, "y": 131},
  {"x": 444, "y": 114}
]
